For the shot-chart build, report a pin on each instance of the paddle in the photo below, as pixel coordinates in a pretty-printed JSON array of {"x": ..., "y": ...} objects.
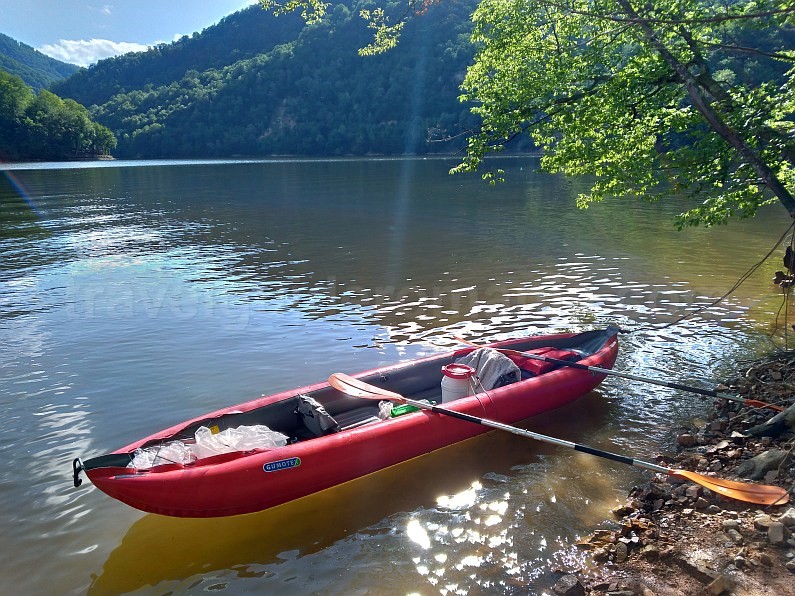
[
  {"x": 759, "y": 494},
  {"x": 751, "y": 403}
]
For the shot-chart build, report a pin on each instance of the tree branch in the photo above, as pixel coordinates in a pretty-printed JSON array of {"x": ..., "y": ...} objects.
[
  {"x": 637, "y": 19},
  {"x": 702, "y": 104}
]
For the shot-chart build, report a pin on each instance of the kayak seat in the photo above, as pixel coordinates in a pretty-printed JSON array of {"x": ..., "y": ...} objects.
[
  {"x": 532, "y": 368},
  {"x": 314, "y": 417},
  {"x": 357, "y": 417}
]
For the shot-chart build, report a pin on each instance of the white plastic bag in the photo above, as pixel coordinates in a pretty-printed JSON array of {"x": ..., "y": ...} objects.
[
  {"x": 385, "y": 409},
  {"x": 242, "y": 438},
  {"x": 175, "y": 452}
]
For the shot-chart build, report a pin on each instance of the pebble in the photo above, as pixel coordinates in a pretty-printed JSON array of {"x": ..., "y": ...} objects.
[
  {"x": 621, "y": 552},
  {"x": 775, "y": 533},
  {"x": 720, "y": 585},
  {"x": 569, "y": 585},
  {"x": 734, "y": 536},
  {"x": 731, "y": 524},
  {"x": 788, "y": 517},
  {"x": 686, "y": 440},
  {"x": 762, "y": 521}
]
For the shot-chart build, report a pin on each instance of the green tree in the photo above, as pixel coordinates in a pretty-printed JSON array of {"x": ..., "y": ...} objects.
[
  {"x": 647, "y": 97},
  {"x": 46, "y": 126},
  {"x": 15, "y": 97}
]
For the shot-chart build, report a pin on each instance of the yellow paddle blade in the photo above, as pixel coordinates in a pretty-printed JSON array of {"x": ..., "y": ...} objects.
[
  {"x": 761, "y": 494},
  {"x": 357, "y": 388}
]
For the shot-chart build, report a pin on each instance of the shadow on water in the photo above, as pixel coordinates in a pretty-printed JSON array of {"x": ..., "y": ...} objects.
[{"x": 158, "y": 549}]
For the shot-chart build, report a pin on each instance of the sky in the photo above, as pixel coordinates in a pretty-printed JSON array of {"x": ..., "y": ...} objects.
[{"x": 84, "y": 31}]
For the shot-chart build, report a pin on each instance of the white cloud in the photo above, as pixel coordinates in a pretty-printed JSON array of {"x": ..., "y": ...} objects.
[{"x": 83, "y": 53}]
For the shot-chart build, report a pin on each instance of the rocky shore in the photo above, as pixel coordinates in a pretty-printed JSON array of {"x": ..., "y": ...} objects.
[{"x": 673, "y": 537}]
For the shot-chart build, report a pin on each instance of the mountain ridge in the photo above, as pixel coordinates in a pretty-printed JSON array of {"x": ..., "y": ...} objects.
[
  {"x": 255, "y": 84},
  {"x": 37, "y": 70}
]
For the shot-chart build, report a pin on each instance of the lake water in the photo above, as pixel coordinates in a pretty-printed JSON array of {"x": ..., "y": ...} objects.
[{"x": 134, "y": 295}]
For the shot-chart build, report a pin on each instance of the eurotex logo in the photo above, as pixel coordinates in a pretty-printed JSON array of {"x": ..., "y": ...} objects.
[{"x": 282, "y": 464}]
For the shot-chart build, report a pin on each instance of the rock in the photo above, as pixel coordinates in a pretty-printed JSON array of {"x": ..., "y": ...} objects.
[
  {"x": 686, "y": 440},
  {"x": 622, "y": 552},
  {"x": 601, "y": 536},
  {"x": 756, "y": 467},
  {"x": 788, "y": 517},
  {"x": 693, "y": 491},
  {"x": 717, "y": 426},
  {"x": 713, "y": 509},
  {"x": 776, "y": 425},
  {"x": 790, "y": 565},
  {"x": 775, "y": 533},
  {"x": 600, "y": 555},
  {"x": 624, "y": 510},
  {"x": 771, "y": 476},
  {"x": 650, "y": 552},
  {"x": 734, "y": 536},
  {"x": 719, "y": 585},
  {"x": 731, "y": 524},
  {"x": 569, "y": 585},
  {"x": 762, "y": 522},
  {"x": 696, "y": 570},
  {"x": 702, "y": 503}
]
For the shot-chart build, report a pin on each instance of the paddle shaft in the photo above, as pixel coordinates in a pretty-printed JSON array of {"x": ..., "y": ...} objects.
[
  {"x": 751, "y": 493},
  {"x": 539, "y": 437},
  {"x": 615, "y": 373}
]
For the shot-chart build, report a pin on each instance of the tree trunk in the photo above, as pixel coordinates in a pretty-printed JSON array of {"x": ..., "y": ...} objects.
[{"x": 701, "y": 103}]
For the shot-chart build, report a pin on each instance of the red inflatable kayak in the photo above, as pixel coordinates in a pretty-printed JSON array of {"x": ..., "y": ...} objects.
[{"x": 306, "y": 440}]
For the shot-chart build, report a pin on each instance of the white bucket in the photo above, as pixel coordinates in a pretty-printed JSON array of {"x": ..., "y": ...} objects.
[{"x": 457, "y": 381}]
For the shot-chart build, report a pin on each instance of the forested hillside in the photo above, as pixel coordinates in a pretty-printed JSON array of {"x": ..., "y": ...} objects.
[
  {"x": 259, "y": 85},
  {"x": 44, "y": 126},
  {"x": 33, "y": 67}
]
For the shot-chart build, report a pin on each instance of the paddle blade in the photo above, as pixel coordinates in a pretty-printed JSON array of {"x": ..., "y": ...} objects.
[
  {"x": 356, "y": 388},
  {"x": 755, "y": 403},
  {"x": 760, "y": 494}
]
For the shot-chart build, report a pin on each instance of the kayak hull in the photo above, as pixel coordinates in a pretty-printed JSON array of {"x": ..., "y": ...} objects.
[{"x": 245, "y": 482}]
